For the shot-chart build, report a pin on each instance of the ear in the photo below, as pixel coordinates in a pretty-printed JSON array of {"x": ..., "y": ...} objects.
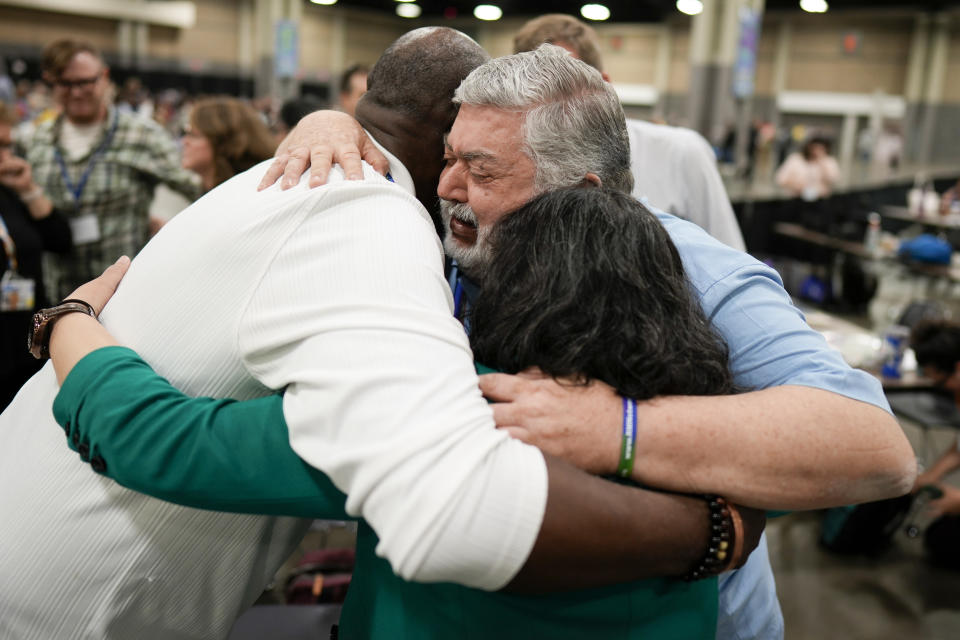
[
  {"x": 594, "y": 180},
  {"x": 605, "y": 76}
]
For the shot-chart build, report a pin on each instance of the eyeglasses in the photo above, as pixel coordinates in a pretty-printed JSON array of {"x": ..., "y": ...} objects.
[{"x": 79, "y": 83}]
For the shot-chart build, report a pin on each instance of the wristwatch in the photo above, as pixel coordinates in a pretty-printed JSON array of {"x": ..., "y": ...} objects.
[{"x": 38, "y": 342}]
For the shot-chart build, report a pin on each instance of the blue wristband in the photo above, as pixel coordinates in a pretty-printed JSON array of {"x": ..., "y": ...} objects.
[{"x": 627, "y": 448}]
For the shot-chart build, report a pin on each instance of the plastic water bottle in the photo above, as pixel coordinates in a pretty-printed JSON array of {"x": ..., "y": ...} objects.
[
  {"x": 871, "y": 241},
  {"x": 915, "y": 199},
  {"x": 894, "y": 346}
]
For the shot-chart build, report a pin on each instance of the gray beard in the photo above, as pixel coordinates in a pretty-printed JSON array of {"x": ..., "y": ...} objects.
[{"x": 474, "y": 259}]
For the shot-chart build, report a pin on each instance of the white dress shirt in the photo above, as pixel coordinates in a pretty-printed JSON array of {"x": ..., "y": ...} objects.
[{"x": 336, "y": 295}]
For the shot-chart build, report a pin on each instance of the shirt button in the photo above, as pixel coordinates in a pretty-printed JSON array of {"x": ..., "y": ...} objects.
[
  {"x": 98, "y": 464},
  {"x": 84, "y": 450}
]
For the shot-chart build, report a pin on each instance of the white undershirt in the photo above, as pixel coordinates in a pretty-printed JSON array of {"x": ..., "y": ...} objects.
[{"x": 77, "y": 140}]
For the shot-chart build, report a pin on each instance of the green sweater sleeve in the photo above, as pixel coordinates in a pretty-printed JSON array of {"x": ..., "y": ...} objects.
[{"x": 225, "y": 455}]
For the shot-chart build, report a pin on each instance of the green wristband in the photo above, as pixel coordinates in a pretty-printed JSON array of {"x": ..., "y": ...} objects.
[{"x": 627, "y": 442}]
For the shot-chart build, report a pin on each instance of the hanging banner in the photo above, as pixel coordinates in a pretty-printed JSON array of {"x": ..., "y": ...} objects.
[
  {"x": 286, "y": 49},
  {"x": 745, "y": 64}
]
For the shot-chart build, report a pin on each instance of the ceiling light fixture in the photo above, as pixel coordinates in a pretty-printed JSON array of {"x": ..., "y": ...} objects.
[
  {"x": 487, "y": 12},
  {"x": 690, "y": 7},
  {"x": 325, "y": 3},
  {"x": 595, "y": 12},
  {"x": 409, "y": 10},
  {"x": 814, "y": 6}
]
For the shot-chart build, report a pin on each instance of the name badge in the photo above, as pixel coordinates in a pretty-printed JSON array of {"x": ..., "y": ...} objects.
[
  {"x": 86, "y": 229},
  {"x": 16, "y": 292}
]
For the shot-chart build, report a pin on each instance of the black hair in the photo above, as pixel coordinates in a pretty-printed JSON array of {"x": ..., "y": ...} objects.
[
  {"x": 418, "y": 73},
  {"x": 585, "y": 283},
  {"x": 937, "y": 343},
  {"x": 822, "y": 140},
  {"x": 295, "y": 108}
]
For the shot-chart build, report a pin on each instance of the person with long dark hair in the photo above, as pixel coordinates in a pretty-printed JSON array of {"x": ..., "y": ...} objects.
[{"x": 586, "y": 285}]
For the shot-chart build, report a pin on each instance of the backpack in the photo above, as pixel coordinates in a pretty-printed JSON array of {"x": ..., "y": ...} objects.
[{"x": 864, "y": 529}]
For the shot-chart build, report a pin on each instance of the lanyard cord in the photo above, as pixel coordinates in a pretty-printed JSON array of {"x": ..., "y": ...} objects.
[
  {"x": 8, "y": 246},
  {"x": 77, "y": 189}
]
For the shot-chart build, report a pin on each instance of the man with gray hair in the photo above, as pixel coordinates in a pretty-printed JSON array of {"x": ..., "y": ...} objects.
[
  {"x": 569, "y": 121},
  {"x": 674, "y": 167}
]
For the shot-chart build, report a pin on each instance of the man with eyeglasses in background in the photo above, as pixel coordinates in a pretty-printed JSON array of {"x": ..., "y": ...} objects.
[{"x": 98, "y": 165}]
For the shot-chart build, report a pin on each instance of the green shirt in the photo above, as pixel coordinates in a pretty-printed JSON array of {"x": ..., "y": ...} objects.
[{"x": 226, "y": 455}]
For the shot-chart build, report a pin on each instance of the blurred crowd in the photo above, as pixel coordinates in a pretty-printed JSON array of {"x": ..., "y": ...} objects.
[
  {"x": 33, "y": 103},
  {"x": 91, "y": 169}
]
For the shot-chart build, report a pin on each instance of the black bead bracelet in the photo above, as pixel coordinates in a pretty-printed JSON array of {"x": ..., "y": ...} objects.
[{"x": 716, "y": 559}]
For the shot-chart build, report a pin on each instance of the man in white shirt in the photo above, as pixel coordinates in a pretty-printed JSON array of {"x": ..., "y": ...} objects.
[
  {"x": 673, "y": 168},
  {"x": 338, "y": 296}
]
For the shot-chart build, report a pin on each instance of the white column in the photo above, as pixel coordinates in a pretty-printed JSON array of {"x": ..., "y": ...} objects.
[{"x": 661, "y": 74}]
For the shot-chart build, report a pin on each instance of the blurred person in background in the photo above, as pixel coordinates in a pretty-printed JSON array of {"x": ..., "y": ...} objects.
[
  {"x": 135, "y": 98},
  {"x": 7, "y": 89},
  {"x": 937, "y": 345},
  {"x": 98, "y": 165},
  {"x": 674, "y": 168},
  {"x": 888, "y": 150},
  {"x": 810, "y": 173},
  {"x": 28, "y": 225},
  {"x": 291, "y": 111},
  {"x": 950, "y": 200},
  {"x": 353, "y": 84},
  {"x": 224, "y": 137}
]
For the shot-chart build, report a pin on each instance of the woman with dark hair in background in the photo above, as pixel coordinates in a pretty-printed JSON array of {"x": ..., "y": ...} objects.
[
  {"x": 937, "y": 345},
  {"x": 583, "y": 283},
  {"x": 225, "y": 136},
  {"x": 810, "y": 173}
]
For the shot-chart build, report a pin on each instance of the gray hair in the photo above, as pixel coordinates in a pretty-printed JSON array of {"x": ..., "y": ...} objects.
[{"x": 573, "y": 121}]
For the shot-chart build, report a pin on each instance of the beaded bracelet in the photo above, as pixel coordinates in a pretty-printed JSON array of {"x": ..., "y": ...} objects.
[{"x": 725, "y": 523}]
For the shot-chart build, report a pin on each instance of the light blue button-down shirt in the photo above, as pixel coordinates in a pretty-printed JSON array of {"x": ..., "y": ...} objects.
[{"x": 770, "y": 345}]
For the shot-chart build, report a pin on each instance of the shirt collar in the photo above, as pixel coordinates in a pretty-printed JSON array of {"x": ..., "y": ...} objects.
[{"x": 398, "y": 172}]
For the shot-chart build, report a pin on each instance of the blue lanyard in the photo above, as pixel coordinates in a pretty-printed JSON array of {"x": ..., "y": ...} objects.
[
  {"x": 77, "y": 189},
  {"x": 457, "y": 287},
  {"x": 461, "y": 297}
]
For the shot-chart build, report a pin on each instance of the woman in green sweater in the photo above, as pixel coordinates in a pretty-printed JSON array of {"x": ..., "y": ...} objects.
[{"x": 584, "y": 284}]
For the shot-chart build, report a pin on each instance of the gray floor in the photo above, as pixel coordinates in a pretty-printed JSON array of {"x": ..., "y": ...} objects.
[{"x": 898, "y": 595}]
